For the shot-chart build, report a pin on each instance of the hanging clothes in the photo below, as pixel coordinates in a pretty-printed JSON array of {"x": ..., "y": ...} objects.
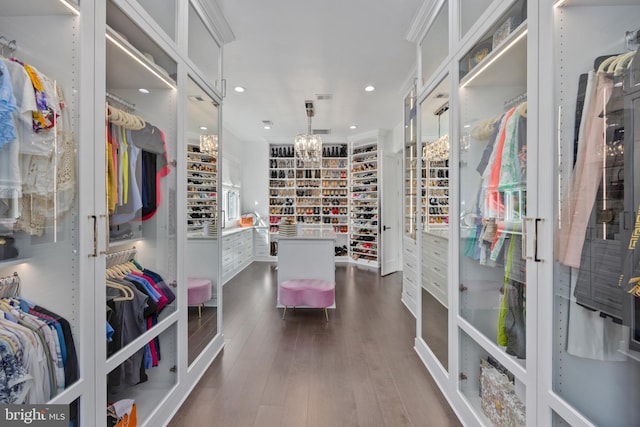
[{"x": 587, "y": 174}]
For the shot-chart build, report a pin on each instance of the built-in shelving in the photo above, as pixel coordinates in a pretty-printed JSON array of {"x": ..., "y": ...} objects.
[
  {"x": 202, "y": 195},
  {"x": 363, "y": 238}
]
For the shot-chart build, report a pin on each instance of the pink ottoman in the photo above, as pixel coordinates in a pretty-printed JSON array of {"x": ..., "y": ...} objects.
[
  {"x": 307, "y": 292},
  {"x": 199, "y": 292}
]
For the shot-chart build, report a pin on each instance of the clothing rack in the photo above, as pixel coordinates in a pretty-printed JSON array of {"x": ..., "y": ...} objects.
[
  {"x": 10, "y": 286},
  {"x": 120, "y": 257},
  {"x": 515, "y": 101},
  {"x": 10, "y": 45},
  {"x": 122, "y": 103}
]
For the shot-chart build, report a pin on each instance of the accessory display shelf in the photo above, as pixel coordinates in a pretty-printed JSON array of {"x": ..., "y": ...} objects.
[
  {"x": 309, "y": 197},
  {"x": 364, "y": 242}
]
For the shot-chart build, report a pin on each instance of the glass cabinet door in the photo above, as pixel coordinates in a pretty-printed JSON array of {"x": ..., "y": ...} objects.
[
  {"x": 435, "y": 46},
  {"x": 40, "y": 282},
  {"x": 204, "y": 50},
  {"x": 596, "y": 357},
  {"x": 203, "y": 187},
  {"x": 493, "y": 206},
  {"x": 434, "y": 144},
  {"x": 410, "y": 162},
  {"x": 141, "y": 145}
]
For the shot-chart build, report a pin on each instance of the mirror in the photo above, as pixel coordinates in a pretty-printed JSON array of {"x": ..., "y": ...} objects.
[
  {"x": 202, "y": 218},
  {"x": 434, "y": 147}
]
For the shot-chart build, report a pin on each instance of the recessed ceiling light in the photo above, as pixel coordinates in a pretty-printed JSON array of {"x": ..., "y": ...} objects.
[
  {"x": 353, "y": 127},
  {"x": 266, "y": 124},
  {"x": 203, "y": 128},
  {"x": 267, "y": 127},
  {"x": 239, "y": 89},
  {"x": 369, "y": 88},
  {"x": 143, "y": 90}
]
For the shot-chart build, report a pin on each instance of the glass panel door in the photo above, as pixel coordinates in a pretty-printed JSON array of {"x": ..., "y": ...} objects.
[
  {"x": 435, "y": 45},
  {"x": 141, "y": 144},
  {"x": 410, "y": 164},
  {"x": 434, "y": 143},
  {"x": 39, "y": 204},
  {"x": 203, "y": 187},
  {"x": 493, "y": 207},
  {"x": 596, "y": 364}
]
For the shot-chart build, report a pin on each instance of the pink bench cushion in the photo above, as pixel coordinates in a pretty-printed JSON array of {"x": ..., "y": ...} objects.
[
  {"x": 307, "y": 292},
  {"x": 199, "y": 291}
]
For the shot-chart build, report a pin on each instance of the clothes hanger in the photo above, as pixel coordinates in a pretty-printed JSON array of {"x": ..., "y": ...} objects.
[
  {"x": 623, "y": 63},
  {"x": 605, "y": 64},
  {"x": 128, "y": 294}
]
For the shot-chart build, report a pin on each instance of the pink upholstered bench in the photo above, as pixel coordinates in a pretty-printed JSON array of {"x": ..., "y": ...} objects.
[
  {"x": 199, "y": 292},
  {"x": 307, "y": 292}
]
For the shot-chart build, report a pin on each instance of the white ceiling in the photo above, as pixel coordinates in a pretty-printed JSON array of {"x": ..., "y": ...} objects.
[{"x": 288, "y": 51}]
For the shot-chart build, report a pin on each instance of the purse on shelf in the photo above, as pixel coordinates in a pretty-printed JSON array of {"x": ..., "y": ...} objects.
[
  {"x": 122, "y": 413},
  {"x": 8, "y": 249}
]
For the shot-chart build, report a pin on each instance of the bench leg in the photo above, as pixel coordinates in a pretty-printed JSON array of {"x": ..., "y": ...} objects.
[
  {"x": 284, "y": 312},
  {"x": 199, "y": 310},
  {"x": 326, "y": 314}
]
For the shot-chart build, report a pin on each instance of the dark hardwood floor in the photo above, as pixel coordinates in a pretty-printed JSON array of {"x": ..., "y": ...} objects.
[
  {"x": 201, "y": 329},
  {"x": 358, "y": 369}
]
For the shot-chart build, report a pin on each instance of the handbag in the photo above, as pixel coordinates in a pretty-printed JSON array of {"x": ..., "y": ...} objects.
[
  {"x": 122, "y": 414},
  {"x": 7, "y": 248}
]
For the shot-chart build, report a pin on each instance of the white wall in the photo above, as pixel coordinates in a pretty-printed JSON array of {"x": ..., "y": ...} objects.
[
  {"x": 255, "y": 179},
  {"x": 395, "y": 139}
]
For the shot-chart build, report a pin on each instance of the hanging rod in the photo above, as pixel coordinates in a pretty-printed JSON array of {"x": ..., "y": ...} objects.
[
  {"x": 11, "y": 45},
  {"x": 120, "y": 101},
  {"x": 120, "y": 257},
  {"x": 443, "y": 109},
  {"x": 515, "y": 101}
]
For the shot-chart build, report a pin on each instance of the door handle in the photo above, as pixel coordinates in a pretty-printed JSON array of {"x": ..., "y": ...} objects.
[{"x": 385, "y": 228}]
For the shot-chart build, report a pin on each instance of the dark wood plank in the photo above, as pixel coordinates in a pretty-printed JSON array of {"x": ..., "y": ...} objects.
[{"x": 358, "y": 369}]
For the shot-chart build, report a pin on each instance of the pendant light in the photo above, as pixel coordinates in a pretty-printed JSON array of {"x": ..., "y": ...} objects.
[{"x": 308, "y": 147}]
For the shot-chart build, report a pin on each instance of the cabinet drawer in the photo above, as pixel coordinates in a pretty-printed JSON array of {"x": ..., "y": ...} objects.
[
  {"x": 227, "y": 258},
  {"x": 431, "y": 267},
  {"x": 410, "y": 277},
  {"x": 410, "y": 264},
  {"x": 434, "y": 242}
]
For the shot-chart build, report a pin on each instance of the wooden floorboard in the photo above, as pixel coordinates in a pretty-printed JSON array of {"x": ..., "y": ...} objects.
[{"x": 358, "y": 369}]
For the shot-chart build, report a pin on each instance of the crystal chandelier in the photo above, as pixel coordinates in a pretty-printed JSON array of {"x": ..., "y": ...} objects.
[
  {"x": 308, "y": 147},
  {"x": 209, "y": 144}
]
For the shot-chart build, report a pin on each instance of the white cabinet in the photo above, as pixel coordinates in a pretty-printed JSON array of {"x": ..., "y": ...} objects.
[
  {"x": 409, "y": 274},
  {"x": 261, "y": 243},
  {"x": 111, "y": 188},
  {"x": 434, "y": 266},
  {"x": 237, "y": 252}
]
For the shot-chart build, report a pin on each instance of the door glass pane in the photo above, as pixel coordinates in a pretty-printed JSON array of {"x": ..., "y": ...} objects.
[
  {"x": 203, "y": 48},
  {"x": 163, "y": 12},
  {"x": 596, "y": 364},
  {"x": 493, "y": 194},
  {"x": 141, "y": 144},
  {"x": 202, "y": 217},
  {"x": 39, "y": 216},
  {"x": 470, "y": 11},
  {"x": 410, "y": 164},
  {"x": 435, "y": 46},
  {"x": 496, "y": 395},
  {"x": 434, "y": 148}
]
